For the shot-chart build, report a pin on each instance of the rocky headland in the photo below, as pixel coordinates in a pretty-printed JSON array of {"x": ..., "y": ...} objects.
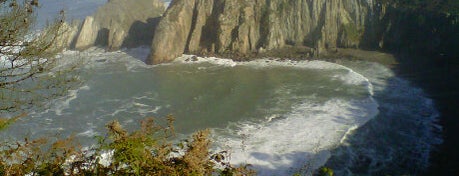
[
  {"x": 242, "y": 29},
  {"x": 247, "y": 27},
  {"x": 117, "y": 24}
]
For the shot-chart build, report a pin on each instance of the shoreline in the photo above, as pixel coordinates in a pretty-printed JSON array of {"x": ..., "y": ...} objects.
[
  {"x": 304, "y": 53},
  {"x": 436, "y": 77},
  {"x": 422, "y": 73}
]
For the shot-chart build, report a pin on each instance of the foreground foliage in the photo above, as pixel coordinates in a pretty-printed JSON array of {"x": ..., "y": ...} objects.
[
  {"x": 29, "y": 73},
  {"x": 143, "y": 152}
]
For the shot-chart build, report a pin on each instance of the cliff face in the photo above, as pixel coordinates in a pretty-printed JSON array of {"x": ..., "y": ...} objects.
[
  {"x": 248, "y": 26},
  {"x": 120, "y": 23}
]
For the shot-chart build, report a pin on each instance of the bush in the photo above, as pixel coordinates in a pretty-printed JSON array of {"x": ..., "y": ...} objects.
[{"x": 147, "y": 151}]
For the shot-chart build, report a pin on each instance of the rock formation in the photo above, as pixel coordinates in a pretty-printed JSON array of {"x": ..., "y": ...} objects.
[
  {"x": 120, "y": 23},
  {"x": 248, "y": 26},
  {"x": 67, "y": 34}
]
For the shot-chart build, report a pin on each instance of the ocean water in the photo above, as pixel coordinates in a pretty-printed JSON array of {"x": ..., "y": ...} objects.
[{"x": 282, "y": 117}]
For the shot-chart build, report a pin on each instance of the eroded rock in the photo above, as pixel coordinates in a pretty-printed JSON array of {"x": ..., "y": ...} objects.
[
  {"x": 249, "y": 26},
  {"x": 120, "y": 23}
]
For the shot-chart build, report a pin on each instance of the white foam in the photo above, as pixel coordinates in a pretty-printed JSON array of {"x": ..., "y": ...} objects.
[
  {"x": 190, "y": 59},
  {"x": 89, "y": 133},
  {"x": 407, "y": 119},
  {"x": 276, "y": 146},
  {"x": 97, "y": 58},
  {"x": 167, "y": 3},
  {"x": 63, "y": 103},
  {"x": 282, "y": 146},
  {"x": 351, "y": 77},
  {"x": 133, "y": 106},
  {"x": 302, "y": 138},
  {"x": 106, "y": 158}
]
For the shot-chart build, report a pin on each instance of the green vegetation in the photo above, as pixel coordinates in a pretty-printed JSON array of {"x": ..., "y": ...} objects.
[
  {"x": 28, "y": 69},
  {"x": 143, "y": 152},
  {"x": 425, "y": 28},
  {"x": 449, "y": 7},
  {"x": 353, "y": 33},
  {"x": 6, "y": 122},
  {"x": 284, "y": 6},
  {"x": 30, "y": 76},
  {"x": 28, "y": 72},
  {"x": 325, "y": 171}
]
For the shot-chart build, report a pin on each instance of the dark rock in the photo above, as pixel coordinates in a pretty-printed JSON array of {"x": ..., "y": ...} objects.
[{"x": 194, "y": 58}]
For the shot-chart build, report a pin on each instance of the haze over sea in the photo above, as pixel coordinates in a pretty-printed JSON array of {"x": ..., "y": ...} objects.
[{"x": 279, "y": 116}]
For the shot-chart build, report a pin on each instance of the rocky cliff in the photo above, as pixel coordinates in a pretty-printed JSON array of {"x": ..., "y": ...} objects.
[
  {"x": 120, "y": 23},
  {"x": 252, "y": 26}
]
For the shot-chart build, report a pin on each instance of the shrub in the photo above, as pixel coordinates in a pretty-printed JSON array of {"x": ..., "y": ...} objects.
[{"x": 147, "y": 151}]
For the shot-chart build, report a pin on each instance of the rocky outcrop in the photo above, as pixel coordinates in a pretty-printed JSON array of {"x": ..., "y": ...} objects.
[
  {"x": 67, "y": 33},
  {"x": 249, "y": 26},
  {"x": 174, "y": 29},
  {"x": 120, "y": 23}
]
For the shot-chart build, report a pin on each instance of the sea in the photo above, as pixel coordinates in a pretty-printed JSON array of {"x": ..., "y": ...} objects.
[{"x": 280, "y": 116}]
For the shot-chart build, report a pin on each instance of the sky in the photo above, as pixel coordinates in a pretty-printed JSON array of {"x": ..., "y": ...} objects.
[{"x": 75, "y": 9}]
